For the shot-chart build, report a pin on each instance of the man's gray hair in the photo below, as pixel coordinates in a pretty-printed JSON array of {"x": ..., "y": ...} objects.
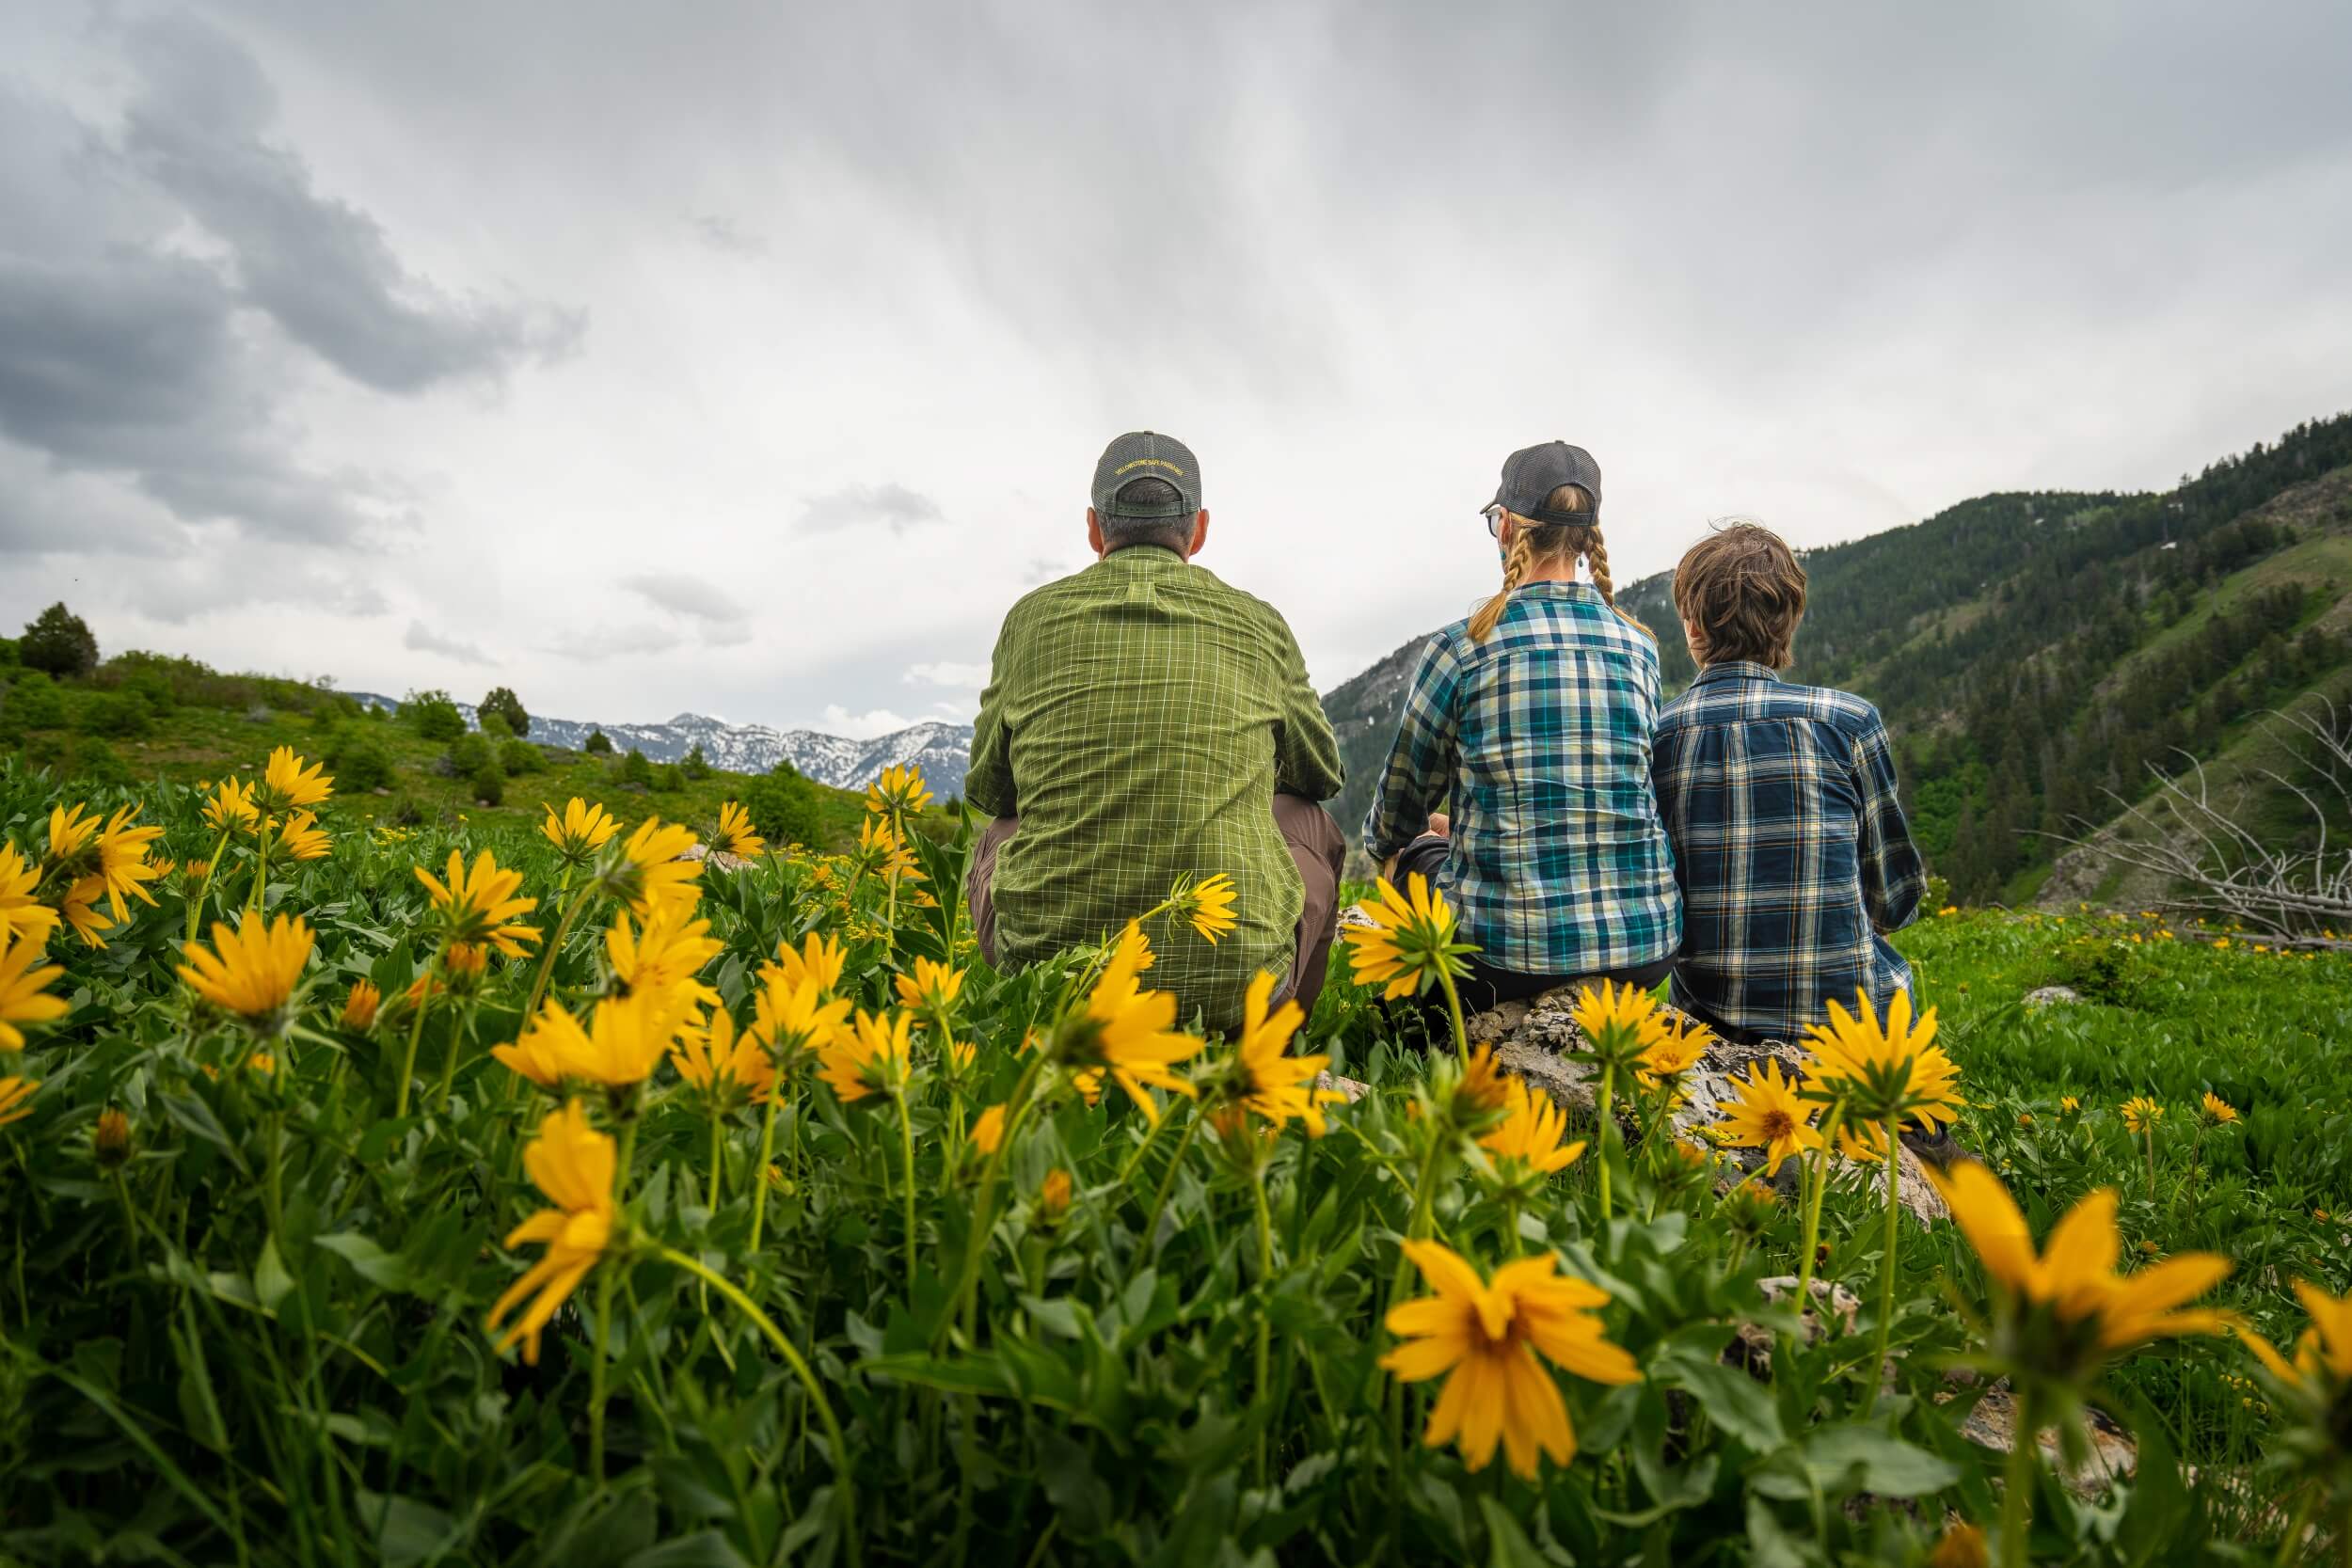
[{"x": 1172, "y": 533}]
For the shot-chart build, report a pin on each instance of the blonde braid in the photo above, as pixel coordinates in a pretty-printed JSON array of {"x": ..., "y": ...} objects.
[
  {"x": 1595, "y": 552},
  {"x": 1514, "y": 564}
]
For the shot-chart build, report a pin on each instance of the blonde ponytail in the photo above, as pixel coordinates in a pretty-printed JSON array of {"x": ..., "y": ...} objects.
[
  {"x": 1531, "y": 542},
  {"x": 1515, "y": 566}
]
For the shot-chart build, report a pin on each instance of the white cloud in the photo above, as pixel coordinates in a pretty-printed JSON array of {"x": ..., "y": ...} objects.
[
  {"x": 683, "y": 595},
  {"x": 286, "y": 363},
  {"x": 945, "y": 672},
  {"x": 858, "y": 505},
  {"x": 862, "y": 726},
  {"x": 424, "y": 640}
]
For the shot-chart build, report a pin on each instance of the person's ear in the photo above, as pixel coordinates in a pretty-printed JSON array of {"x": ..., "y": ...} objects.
[
  {"x": 1200, "y": 533},
  {"x": 1094, "y": 533},
  {"x": 1507, "y": 531}
]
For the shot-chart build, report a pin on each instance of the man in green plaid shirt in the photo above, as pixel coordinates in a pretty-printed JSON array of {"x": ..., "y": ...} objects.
[{"x": 1144, "y": 723}]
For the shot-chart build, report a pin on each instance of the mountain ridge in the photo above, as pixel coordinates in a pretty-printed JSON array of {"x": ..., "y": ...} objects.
[{"x": 942, "y": 750}]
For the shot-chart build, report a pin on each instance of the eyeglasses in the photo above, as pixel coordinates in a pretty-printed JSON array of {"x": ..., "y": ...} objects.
[{"x": 1494, "y": 515}]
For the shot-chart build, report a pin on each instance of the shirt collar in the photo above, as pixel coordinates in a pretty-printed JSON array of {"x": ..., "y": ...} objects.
[
  {"x": 1143, "y": 555},
  {"x": 1736, "y": 670}
]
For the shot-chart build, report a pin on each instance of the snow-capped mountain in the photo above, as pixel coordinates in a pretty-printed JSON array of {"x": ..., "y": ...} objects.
[{"x": 944, "y": 752}]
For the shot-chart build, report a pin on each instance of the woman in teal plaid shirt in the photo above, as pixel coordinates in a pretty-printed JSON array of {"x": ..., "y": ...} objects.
[{"x": 1531, "y": 721}]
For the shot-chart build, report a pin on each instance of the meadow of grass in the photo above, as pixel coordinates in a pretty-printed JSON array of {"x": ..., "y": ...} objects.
[
  {"x": 861, "y": 1251},
  {"x": 146, "y": 717}
]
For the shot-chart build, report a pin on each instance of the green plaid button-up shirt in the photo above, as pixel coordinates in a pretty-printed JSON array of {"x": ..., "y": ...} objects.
[{"x": 1139, "y": 718}]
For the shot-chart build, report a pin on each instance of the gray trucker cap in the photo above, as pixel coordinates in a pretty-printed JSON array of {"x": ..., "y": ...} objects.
[{"x": 1142, "y": 454}]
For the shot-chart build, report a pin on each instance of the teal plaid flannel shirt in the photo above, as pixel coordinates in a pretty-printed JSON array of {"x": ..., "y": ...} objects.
[{"x": 1540, "y": 739}]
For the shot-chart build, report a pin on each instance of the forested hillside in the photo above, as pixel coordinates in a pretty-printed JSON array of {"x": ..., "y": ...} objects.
[{"x": 2034, "y": 652}]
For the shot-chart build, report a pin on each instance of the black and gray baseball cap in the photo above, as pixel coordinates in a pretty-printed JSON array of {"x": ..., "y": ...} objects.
[
  {"x": 1142, "y": 454},
  {"x": 1530, "y": 475}
]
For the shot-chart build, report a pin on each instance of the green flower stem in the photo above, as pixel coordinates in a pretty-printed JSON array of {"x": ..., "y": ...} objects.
[
  {"x": 2152, "y": 1159},
  {"x": 1607, "y": 1125},
  {"x": 984, "y": 1208},
  {"x": 906, "y": 1147},
  {"x": 607, "y": 1277},
  {"x": 416, "y": 1032},
  {"x": 1886, "y": 1264},
  {"x": 1159, "y": 1198},
  {"x": 546, "y": 960},
  {"x": 1264, "y": 1383},
  {"x": 712, "y": 1202},
  {"x": 260, "y": 864},
  {"x": 1151, "y": 1137},
  {"x": 277, "y": 1174},
  {"x": 204, "y": 887},
  {"x": 130, "y": 1228},
  {"x": 793, "y": 1359},
  {"x": 2024, "y": 1456},
  {"x": 1818, "y": 1168},
  {"x": 767, "y": 1148},
  {"x": 1454, "y": 1009},
  {"x": 2291, "y": 1543},
  {"x": 458, "y": 1036}
]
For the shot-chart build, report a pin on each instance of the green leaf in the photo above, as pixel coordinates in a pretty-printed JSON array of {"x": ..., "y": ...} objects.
[
  {"x": 381, "y": 1139},
  {"x": 707, "y": 1548},
  {"x": 1735, "y": 1401},
  {"x": 1864, "y": 1459},
  {"x": 197, "y": 1116},
  {"x": 1507, "y": 1546},
  {"x": 376, "y": 1266},
  {"x": 271, "y": 1282},
  {"x": 1078, "y": 1495},
  {"x": 407, "y": 1531}
]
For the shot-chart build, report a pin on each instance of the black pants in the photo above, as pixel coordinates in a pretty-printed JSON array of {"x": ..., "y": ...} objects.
[{"x": 1485, "y": 987}]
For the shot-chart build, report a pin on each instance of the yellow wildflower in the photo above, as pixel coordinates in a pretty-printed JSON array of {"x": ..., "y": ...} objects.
[
  {"x": 1268, "y": 1083},
  {"x": 250, "y": 970},
  {"x": 871, "y": 1058},
  {"x": 1530, "y": 1134},
  {"x": 1767, "y": 1115},
  {"x": 1485, "y": 1337},
  {"x": 573, "y": 1164},
  {"x": 22, "y": 985},
  {"x": 580, "y": 831},
  {"x": 478, "y": 904},
  {"x": 1212, "y": 908},
  {"x": 286, "y": 783},
  {"x": 736, "y": 835}
]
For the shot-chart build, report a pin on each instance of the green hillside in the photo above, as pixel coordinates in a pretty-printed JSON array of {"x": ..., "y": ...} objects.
[
  {"x": 2036, "y": 651},
  {"x": 144, "y": 716}
]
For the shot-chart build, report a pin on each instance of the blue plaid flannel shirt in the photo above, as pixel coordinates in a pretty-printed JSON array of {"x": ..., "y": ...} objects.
[
  {"x": 1791, "y": 846},
  {"x": 1540, "y": 739}
]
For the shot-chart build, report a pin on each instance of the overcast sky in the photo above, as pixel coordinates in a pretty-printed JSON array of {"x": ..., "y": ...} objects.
[{"x": 752, "y": 359}]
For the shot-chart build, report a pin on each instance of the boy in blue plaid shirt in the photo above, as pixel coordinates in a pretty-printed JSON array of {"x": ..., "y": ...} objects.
[{"x": 1790, "y": 841}]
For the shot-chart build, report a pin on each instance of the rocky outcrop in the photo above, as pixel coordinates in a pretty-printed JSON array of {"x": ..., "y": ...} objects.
[{"x": 1539, "y": 1041}]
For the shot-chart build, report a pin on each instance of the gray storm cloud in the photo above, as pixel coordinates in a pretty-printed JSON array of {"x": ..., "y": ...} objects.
[{"x": 294, "y": 302}]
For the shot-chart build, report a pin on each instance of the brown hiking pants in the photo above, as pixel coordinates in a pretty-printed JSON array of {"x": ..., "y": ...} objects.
[{"x": 1315, "y": 844}]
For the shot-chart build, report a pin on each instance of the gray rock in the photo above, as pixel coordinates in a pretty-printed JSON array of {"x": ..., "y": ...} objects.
[
  {"x": 1539, "y": 1041},
  {"x": 2046, "y": 996},
  {"x": 2112, "y": 1456}
]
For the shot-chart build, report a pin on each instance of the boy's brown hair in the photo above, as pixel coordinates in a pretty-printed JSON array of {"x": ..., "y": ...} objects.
[{"x": 1740, "y": 593}]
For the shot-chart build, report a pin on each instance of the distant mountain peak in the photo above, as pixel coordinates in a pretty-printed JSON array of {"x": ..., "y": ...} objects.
[{"x": 942, "y": 751}]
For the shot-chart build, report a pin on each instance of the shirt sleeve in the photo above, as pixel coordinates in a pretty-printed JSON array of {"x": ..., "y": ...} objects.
[
  {"x": 1419, "y": 769},
  {"x": 1893, "y": 878},
  {"x": 1306, "y": 752},
  {"x": 988, "y": 783}
]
